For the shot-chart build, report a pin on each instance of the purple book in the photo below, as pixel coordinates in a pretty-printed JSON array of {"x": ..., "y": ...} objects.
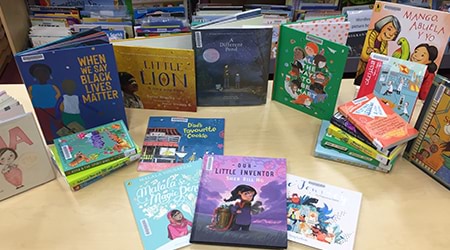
[{"x": 240, "y": 202}]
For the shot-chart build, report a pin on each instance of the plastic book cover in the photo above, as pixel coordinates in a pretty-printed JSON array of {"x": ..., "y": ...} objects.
[
  {"x": 321, "y": 215},
  {"x": 333, "y": 155},
  {"x": 430, "y": 151},
  {"x": 72, "y": 89},
  {"x": 378, "y": 121},
  {"x": 359, "y": 20},
  {"x": 171, "y": 141},
  {"x": 409, "y": 33},
  {"x": 241, "y": 202},
  {"x": 93, "y": 147},
  {"x": 24, "y": 160},
  {"x": 308, "y": 72},
  {"x": 163, "y": 205},
  {"x": 395, "y": 81}
]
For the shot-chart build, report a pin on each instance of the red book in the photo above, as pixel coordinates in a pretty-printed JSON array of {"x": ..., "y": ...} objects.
[{"x": 378, "y": 121}]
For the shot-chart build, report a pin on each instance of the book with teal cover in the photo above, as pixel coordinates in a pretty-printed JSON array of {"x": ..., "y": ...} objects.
[
  {"x": 163, "y": 204},
  {"x": 93, "y": 147}
]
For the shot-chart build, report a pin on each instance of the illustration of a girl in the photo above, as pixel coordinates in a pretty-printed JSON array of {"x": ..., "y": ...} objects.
[
  {"x": 178, "y": 225},
  {"x": 311, "y": 50},
  {"x": 10, "y": 170},
  {"x": 386, "y": 29},
  {"x": 242, "y": 210},
  {"x": 129, "y": 88},
  {"x": 425, "y": 54}
]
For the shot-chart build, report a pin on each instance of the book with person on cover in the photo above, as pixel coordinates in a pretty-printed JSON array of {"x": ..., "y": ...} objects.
[
  {"x": 430, "y": 151},
  {"x": 308, "y": 72},
  {"x": 232, "y": 61},
  {"x": 171, "y": 141},
  {"x": 73, "y": 83},
  {"x": 395, "y": 81},
  {"x": 24, "y": 159},
  {"x": 321, "y": 215},
  {"x": 95, "y": 146},
  {"x": 157, "y": 72},
  {"x": 378, "y": 121},
  {"x": 409, "y": 33},
  {"x": 241, "y": 202},
  {"x": 163, "y": 205}
]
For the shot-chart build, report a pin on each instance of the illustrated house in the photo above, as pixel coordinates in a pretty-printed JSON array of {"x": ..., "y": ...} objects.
[{"x": 161, "y": 145}]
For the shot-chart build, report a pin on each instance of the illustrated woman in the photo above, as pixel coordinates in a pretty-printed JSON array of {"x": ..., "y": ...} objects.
[
  {"x": 10, "y": 170},
  {"x": 425, "y": 54},
  {"x": 178, "y": 225},
  {"x": 242, "y": 209}
]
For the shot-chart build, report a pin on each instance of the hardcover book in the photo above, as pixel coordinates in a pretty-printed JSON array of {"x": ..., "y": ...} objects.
[
  {"x": 395, "y": 81},
  {"x": 93, "y": 147},
  {"x": 308, "y": 72},
  {"x": 378, "y": 121},
  {"x": 24, "y": 160},
  {"x": 171, "y": 141},
  {"x": 157, "y": 72},
  {"x": 232, "y": 62},
  {"x": 241, "y": 201},
  {"x": 71, "y": 83},
  {"x": 321, "y": 215},
  {"x": 409, "y": 33},
  {"x": 430, "y": 151},
  {"x": 163, "y": 205}
]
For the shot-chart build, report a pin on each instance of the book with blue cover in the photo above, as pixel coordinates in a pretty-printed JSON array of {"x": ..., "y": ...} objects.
[{"x": 163, "y": 205}]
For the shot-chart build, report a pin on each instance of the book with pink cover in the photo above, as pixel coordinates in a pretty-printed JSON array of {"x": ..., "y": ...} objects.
[{"x": 378, "y": 121}]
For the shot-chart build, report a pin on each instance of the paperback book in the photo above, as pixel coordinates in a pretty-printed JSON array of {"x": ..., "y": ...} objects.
[
  {"x": 163, "y": 205},
  {"x": 321, "y": 215},
  {"x": 171, "y": 141},
  {"x": 241, "y": 202}
]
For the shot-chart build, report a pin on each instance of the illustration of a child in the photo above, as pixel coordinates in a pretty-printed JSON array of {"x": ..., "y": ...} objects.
[
  {"x": 178, "y": 225},
  {"x": 10, "y": 170},
  {"x": 129, "y": 88},
  {"x": 425, "y": 54}
]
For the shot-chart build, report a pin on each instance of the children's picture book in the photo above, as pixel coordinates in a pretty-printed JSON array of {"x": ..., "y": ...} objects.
[
  {"x": 378, "y": 121},
  {"x": 241, "y": 201},
  {"x": 395, "y": 81},
  {"x": 334, "y": 155},
  {"x": 157, "y": 72},
  {"x": 308, "y": 72},
  {"x": 321, "y": 215},
  {"x": 170, "y": 141},
  {"x": 95, "y": 146},
  {"x": 163, "y": 205},
  {"x": 73, "y": 83},
  {"x": 24, "y": 159},
  {"x": 232, "y": 61},
  {"x": 359, "y": 20},
  {"x": 430, "y": 151},
  {"x": 409, "y": 33}
]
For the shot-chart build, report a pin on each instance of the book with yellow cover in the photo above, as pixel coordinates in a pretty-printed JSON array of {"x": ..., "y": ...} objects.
[{"x": 157, "y": 72}]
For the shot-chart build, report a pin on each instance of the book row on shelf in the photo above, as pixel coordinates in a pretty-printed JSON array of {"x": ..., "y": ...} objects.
[{"x": 80, "y": 85}]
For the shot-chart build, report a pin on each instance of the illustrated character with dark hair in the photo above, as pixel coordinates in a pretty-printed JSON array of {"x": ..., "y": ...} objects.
[
  {"x": 425, "y": 54},
  {"x": 10, "y": 170},
  {"x": 178, "y": 225},
  {"x": 129, "y": 88},
  {"x": 243, "y": 209}
]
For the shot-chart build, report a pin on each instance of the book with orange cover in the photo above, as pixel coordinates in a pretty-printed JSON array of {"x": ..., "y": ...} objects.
[{"x": 378, "y": 121}]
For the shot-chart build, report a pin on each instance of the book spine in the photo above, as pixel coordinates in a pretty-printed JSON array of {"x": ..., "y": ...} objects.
[
  {"x": 94, "y": 164},
  {"x": 337, "y": 159}
]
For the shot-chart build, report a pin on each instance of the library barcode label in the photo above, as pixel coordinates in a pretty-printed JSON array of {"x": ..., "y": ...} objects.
[
  {"x": 66, "y": 152},
  {"x": 209, "y": 163},
  {"x": 198, "y": 39},
  {"x": 31, "y": 58},
  {"x": 145, "y": 227}
]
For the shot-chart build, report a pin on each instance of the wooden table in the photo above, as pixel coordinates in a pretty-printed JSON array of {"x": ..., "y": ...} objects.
[{"x": 405, "y": 209}]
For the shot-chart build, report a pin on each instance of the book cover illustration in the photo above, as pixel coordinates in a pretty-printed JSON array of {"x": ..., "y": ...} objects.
[
  {"x": 24, "y": 160},
  {"x": 93, "y": 147},
  {"x": 170, "y": 141},
  {"x": 409, "y": 33},
  {"x": 321, "y": 215},
  {"x": 157, "y": 74},
  {"x": 309, "y": 71},
  {"x": 378, "y": 121},
  {"x": 395, "y": 81},
  {"x": 71, "y": 88},
  {"x": 232, "y": 65},
  {"x": 241, "y": 201},
  {"x": 430, "y": 151},
  {"x": 163, "y": 205}
]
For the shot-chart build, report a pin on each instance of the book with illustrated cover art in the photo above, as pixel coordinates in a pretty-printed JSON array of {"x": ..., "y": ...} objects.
[
  {"x": 321, "y": 215},
  {"x": 163, "y": 205},
  {"x": 170, "y": 141},
  {"x": 157, "y": 72},
  {"x": 378, "y": 121},
  {"x": 93, "y": 147},
  {"x": 241, "y": 201}
]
